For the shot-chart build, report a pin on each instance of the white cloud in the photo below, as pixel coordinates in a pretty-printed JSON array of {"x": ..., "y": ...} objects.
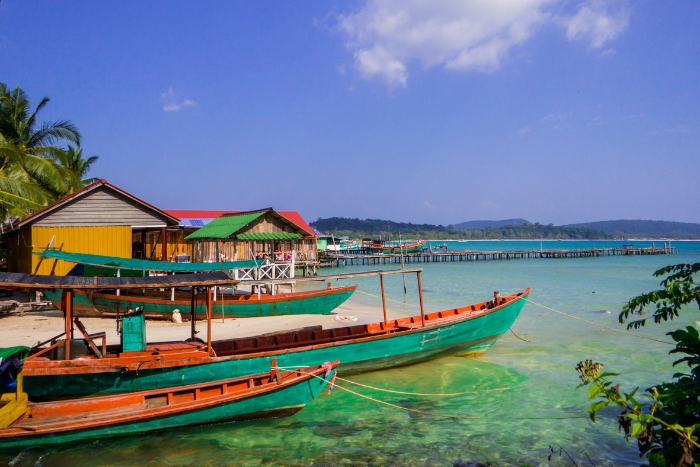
[
  {"x": 595, "y": 24},
  {"x": 386, "y": 36},
  {"x": 524, "y": 130},
  {"x": 171, "y": 102}
]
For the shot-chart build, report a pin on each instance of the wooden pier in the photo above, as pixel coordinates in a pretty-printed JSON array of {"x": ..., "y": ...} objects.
[{"x": 342, "y": 259}]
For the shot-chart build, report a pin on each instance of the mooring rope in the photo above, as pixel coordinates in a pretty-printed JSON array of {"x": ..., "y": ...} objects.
[
  {"x": 402, "y": 392},
  {"x": 600, "y": 325},
  {"x": 524, "y": 340},
  {"x": 419, "y": 393},
  {"x": 388, "y": 299},
  {"x": 433, "y": 414}
]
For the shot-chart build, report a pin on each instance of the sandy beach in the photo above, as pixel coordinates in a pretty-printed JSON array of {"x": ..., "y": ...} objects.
[{"x": 39, "y": 326}]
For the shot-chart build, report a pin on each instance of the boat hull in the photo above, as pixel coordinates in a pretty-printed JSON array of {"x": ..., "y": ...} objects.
[
  {"x": 273, "y": 403},
  {"x": 465, "y": 335},
  {"x": 317, "y": 302}
]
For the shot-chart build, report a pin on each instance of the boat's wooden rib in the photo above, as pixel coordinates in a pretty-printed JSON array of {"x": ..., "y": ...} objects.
[{"x": 267, "y": 395}]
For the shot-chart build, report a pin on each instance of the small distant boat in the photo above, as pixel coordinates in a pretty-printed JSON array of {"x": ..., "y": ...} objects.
[
  {"x": 157, "y": 304},
  {"x": 394, "y": 247},
  {"x": 269, "y": 395}
]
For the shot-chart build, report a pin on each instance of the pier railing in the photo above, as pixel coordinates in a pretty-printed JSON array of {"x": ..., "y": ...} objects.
[{"x": 339, "y": 259}]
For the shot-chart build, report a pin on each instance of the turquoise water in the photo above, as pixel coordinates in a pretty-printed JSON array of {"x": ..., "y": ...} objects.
[{"x": 522, "y": 396}]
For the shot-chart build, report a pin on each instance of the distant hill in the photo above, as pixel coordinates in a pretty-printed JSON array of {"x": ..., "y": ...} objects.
[
  {"x": 373, "y": 226},
  {"x": 641, "y": 228},
  {"x": 357, "y": 228},
  {"x": 486, "y": 224}
]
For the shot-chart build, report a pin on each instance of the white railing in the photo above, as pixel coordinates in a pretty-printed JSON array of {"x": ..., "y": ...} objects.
[{"x": 266, "y": 271}]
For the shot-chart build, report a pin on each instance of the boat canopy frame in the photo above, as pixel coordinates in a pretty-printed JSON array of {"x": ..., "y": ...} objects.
[{"x": 116, "y": 262}]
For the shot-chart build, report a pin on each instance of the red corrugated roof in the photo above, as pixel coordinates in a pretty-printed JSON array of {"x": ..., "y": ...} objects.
[
  {"x": 84, "y": 190},
  {"x": 292, "y": 216}
]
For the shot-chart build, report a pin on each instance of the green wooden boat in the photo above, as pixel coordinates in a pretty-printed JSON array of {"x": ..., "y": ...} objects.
[
  {"x": 271, "y": 395},
  {"x": 160, "y": 305},
  {"x": 468, "y": 330}
]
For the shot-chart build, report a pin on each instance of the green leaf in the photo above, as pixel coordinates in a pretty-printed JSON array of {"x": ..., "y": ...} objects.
[
  {"x": 637, "y": 429},
  {"x": 593, "y": 391},
  {"x": 596, "y": 407}
]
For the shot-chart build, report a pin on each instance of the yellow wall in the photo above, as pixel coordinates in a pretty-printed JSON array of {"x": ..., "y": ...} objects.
[{"x": 97, "y": 240}]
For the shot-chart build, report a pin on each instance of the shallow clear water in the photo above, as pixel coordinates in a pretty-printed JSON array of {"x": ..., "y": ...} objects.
[{"x": 524, "y": 396}]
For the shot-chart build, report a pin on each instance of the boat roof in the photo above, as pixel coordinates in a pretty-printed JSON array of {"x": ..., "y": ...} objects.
[
  {"x": 143, "y": 264},
  {"x": 33, "y": 281}
]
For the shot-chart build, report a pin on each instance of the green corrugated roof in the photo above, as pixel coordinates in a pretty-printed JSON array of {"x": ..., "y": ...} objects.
[
  {"x": 144, "y": 264},
  {"x": 223, "y": 227},
  {"x": 268, "y": 236}
]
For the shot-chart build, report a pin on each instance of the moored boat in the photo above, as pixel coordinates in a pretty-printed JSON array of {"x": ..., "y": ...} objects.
[
  {"x": 395, "y": 247},
  {"x": 468, "y": 330},
  {"x": 272, "y": 394},
  {"x": 156, "y": 304}
]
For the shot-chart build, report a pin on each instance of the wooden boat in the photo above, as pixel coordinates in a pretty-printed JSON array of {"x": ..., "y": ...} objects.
[
  {"x": 157, "y": 304},
  {"x": 270, "y": 395},
  {"x": 468, "y": 330},
  {"x": 394, "y": 247}
]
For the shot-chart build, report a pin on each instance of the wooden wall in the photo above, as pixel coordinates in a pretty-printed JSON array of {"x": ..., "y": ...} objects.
[
  {"x": 114, "y": 240},
  {"x": 102, "y": 206}
]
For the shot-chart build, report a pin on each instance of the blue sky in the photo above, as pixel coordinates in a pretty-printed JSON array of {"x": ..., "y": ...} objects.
[{"x": 439, "y": 112}]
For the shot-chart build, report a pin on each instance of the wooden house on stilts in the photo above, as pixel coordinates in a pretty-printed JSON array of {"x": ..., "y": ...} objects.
[{"x": 263, "y": 234}]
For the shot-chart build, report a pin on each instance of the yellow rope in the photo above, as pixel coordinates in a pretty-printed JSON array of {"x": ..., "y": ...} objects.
[
  {"x": 433, "y": 414},
  {"x": 418, "y": 393},
  {"x": 600, "y": 325}
]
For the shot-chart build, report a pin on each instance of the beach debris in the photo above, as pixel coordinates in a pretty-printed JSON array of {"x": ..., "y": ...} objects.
[
  {"x": 177, "y": 317},
  {"x": 346, "y": 318}
]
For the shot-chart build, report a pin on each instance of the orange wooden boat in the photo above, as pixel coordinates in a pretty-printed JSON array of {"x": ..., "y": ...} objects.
[{"x": 270, "y": 395}]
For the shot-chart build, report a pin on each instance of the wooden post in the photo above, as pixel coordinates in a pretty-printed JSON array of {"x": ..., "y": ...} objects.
[
  {"x": 164, "y": 244},
  {"x": 222, "y": 303},
  {"x": 420, "y": 296},
  {"x": 192, "y": 312},
  {"x": 41, "y": 258},
  {"x": 55, "y": 262},
  {"x": 402, "y": 265},
  {"x": 208, "y": 305},
  {"x": 118, "y": 275},
  {"x": 381, "y": 281},
  {"x": 68, "y": 312}
]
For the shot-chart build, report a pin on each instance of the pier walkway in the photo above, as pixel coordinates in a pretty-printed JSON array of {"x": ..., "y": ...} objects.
[{"x": 342, "y": 259}]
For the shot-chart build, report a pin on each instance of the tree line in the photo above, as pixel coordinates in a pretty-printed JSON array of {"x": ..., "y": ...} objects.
[
  {"x": 40, "y": 162},
  {"x": 371, "y": 228}
]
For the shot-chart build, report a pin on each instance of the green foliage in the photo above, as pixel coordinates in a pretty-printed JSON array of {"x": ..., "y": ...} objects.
[
  {"x": 679, "y": 289},
  {"x": 357, "y": 228},
  {"x": 667, "y": 424},
  {"x": 34, "y": 169}
]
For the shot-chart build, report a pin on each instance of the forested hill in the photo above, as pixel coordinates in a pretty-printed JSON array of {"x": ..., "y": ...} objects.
[
  {"x": 486, "y": 224},
  {"x": 640, "y": 228},
  {"x": 356, "y": 228}
]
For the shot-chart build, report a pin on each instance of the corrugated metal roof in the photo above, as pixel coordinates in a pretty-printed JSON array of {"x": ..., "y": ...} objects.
[
  {"x": 268, "y": 236},
  {"x": 224, "y": 227},
  {"x": 207, "y": 215}
]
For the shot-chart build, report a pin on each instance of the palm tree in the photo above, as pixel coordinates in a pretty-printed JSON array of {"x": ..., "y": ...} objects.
[
  {"x": 34, "y": 169},
  {"x": 80, "y": 166}
]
